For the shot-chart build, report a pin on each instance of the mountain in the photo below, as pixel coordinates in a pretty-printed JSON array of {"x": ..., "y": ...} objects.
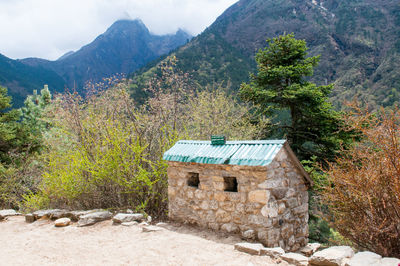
[
  {"x": 358, "y": 41},
  {"x": 125, "y": 47},
  {"x": 21, "y": 79}
]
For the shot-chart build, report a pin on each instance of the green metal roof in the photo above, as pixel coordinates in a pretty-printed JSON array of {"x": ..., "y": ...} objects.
[{"x": 252, "y": 153}]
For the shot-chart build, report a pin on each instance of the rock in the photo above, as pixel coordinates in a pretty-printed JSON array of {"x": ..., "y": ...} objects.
[
  {"x": 162, "y": 225},
  {"x": 295, "y": 259},
  {"x": 249, "y": 248},
  {"x": 75, "y": 215},
  {"x": 29, "y": 218},
  {"x": 388, "y": 262},
  {"x": 62, "y": 222},
  {"x": 331, "y": 256},
  {"x": 151, "y": 228},
  {"x": 260, "y": 196},
  {"x": 129, "y": 211},
  {"x": 249, "y": 234},
  {"x": 92, "y": 218},
  {"x": 364, "y": 258},
  {"x": 230, "y": 228},
  {"x": 143, "y": 224},
  {"x": 272, "y": 252},
  {"x": 6, "y": 213},
  {"x": 129, "y": 223},
  {"x": 149, "y": 219},
  {"x": 310, "y": 249},
  {"x": 50, "y": 214},
  {"x": 125, "y": 218}
]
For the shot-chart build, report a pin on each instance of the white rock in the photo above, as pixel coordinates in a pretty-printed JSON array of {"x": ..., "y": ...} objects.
[
  {"x": 388, "y": 262},
  {"x": 272, "y": 252},
  {"x": 62, "y": 222},
  {"x": 6, "y": 213},
  {"x": 332, "y": 256},
  {"x": 250, "y": 248},
  {"x": 151, "y": 228},
  {"x": 163, "y": 225},
  {"x": 129, "y": 223},
  {"x": 364, "y": 258},
  {"x": 310, "y": 249},
  {"x": 149, "y": 219},
  {"x": 92, "y": 218},
  {"x": 125, "y": 217},
  {"x": 295, "y": 259}
]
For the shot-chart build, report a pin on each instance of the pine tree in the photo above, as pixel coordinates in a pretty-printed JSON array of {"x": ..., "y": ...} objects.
[{"x": 281, "y": 84}]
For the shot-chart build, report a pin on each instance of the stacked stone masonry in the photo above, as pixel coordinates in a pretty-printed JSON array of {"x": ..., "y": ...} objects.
[{"x": 270, "y": 205}]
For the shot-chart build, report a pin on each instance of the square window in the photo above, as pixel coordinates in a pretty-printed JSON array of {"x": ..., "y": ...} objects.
[
  {"x": 230, "y": 184},
  {"x": 193, "y": 180}
]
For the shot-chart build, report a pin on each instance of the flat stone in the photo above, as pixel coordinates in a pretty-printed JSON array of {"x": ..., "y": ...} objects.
[
  {"x": 334, "y": 256},
  {"x": 249, "y": 248},
  {"x": 126, "y": 217},
  {"x": 151, "y": 228},
  {"x": 129, "y": 224},
  {"x": 75, "y": 215},
  {"x": 310, "y": 249},
  {"x": 92, "y": 218},
  {"x": 272, "y": 252},
  {"x": 259, "y": 196},
  {"x": 62, "y": 222},
  {"x": 163, "y": 225},
  {"x": 388, "y": 262},
  {"x": 50, "y": 214},
  {"x": 295, "y": 259},
  {"x": 6, "y": 213},
  {"x": 230, "y": 228},
  {"x": 29, "y": 218},
  {"x": 364, "y": 258}
]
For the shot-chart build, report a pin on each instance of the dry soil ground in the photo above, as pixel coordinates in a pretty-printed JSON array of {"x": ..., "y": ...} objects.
[{"x": 41, "y": 243}]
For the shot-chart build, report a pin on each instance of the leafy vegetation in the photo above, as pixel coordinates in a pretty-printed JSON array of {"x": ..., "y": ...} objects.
[{"x": 363, "y": 186}]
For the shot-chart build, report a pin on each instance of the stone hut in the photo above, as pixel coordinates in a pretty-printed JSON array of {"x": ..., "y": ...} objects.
[{"x": 255, "y": 188}]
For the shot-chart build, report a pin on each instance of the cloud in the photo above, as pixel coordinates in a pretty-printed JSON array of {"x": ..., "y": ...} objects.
[{"x": 50, "y": 28}]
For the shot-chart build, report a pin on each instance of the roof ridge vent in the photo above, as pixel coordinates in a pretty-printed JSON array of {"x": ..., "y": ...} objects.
[{"x": 218, "y": 140}]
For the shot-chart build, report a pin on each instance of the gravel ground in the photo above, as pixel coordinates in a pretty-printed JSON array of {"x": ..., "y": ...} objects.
[{"x": 41, "y": 243}]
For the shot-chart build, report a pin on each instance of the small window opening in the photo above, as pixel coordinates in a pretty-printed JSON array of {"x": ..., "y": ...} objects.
[
  {"x": 230, "y": 184},
  {"x": 193, "y": 180}
]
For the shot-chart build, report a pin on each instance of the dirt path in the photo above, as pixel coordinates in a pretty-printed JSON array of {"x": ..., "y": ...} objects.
[{"x": 41, "y": 243}]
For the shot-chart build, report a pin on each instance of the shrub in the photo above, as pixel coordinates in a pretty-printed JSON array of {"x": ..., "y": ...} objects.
[{"x": 364, "y": 184}]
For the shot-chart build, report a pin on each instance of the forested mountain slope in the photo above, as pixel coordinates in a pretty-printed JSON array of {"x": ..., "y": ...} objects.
[{"x": 359, "y": 44}]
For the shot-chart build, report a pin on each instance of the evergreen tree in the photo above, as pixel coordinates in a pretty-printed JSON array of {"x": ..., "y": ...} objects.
[
  {"x": 281, "y": 84},
  {"x": 8, "y": 126}
]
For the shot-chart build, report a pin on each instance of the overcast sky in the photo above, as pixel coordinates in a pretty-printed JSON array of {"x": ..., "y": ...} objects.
[{"x": 50, "y": 28}]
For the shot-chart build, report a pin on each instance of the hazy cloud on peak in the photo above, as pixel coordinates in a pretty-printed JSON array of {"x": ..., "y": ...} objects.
[{"x": 50, "y": 28}]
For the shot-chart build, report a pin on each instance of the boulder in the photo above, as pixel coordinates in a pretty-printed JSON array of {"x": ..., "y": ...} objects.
[
  {"x": 50, "y": 214},
  {"x": 310, "y": 249},
  {"x": 364, "y": 258},
  {"x": 6, "y": 213},
  {"x": 95, "y": 217},
  {"x": 125, "y": 218},
  {"x": 29, "y": 218},
  {"x": 249, "y": 248},
  {"x": 75, "y": 215},
  {"x": 62, "y": 222},
  {"x": 295, "y": 259},
  {"x": 388, "y": 262},
  {"x": 272, "y": 252},
  {"x": 333, "y": 256}
]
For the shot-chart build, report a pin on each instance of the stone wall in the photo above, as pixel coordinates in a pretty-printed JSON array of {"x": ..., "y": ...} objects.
[{"x": 270, "y": 205}]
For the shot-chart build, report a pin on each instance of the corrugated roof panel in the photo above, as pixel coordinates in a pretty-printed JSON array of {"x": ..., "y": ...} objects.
[{"x": 253, "y": 153}]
